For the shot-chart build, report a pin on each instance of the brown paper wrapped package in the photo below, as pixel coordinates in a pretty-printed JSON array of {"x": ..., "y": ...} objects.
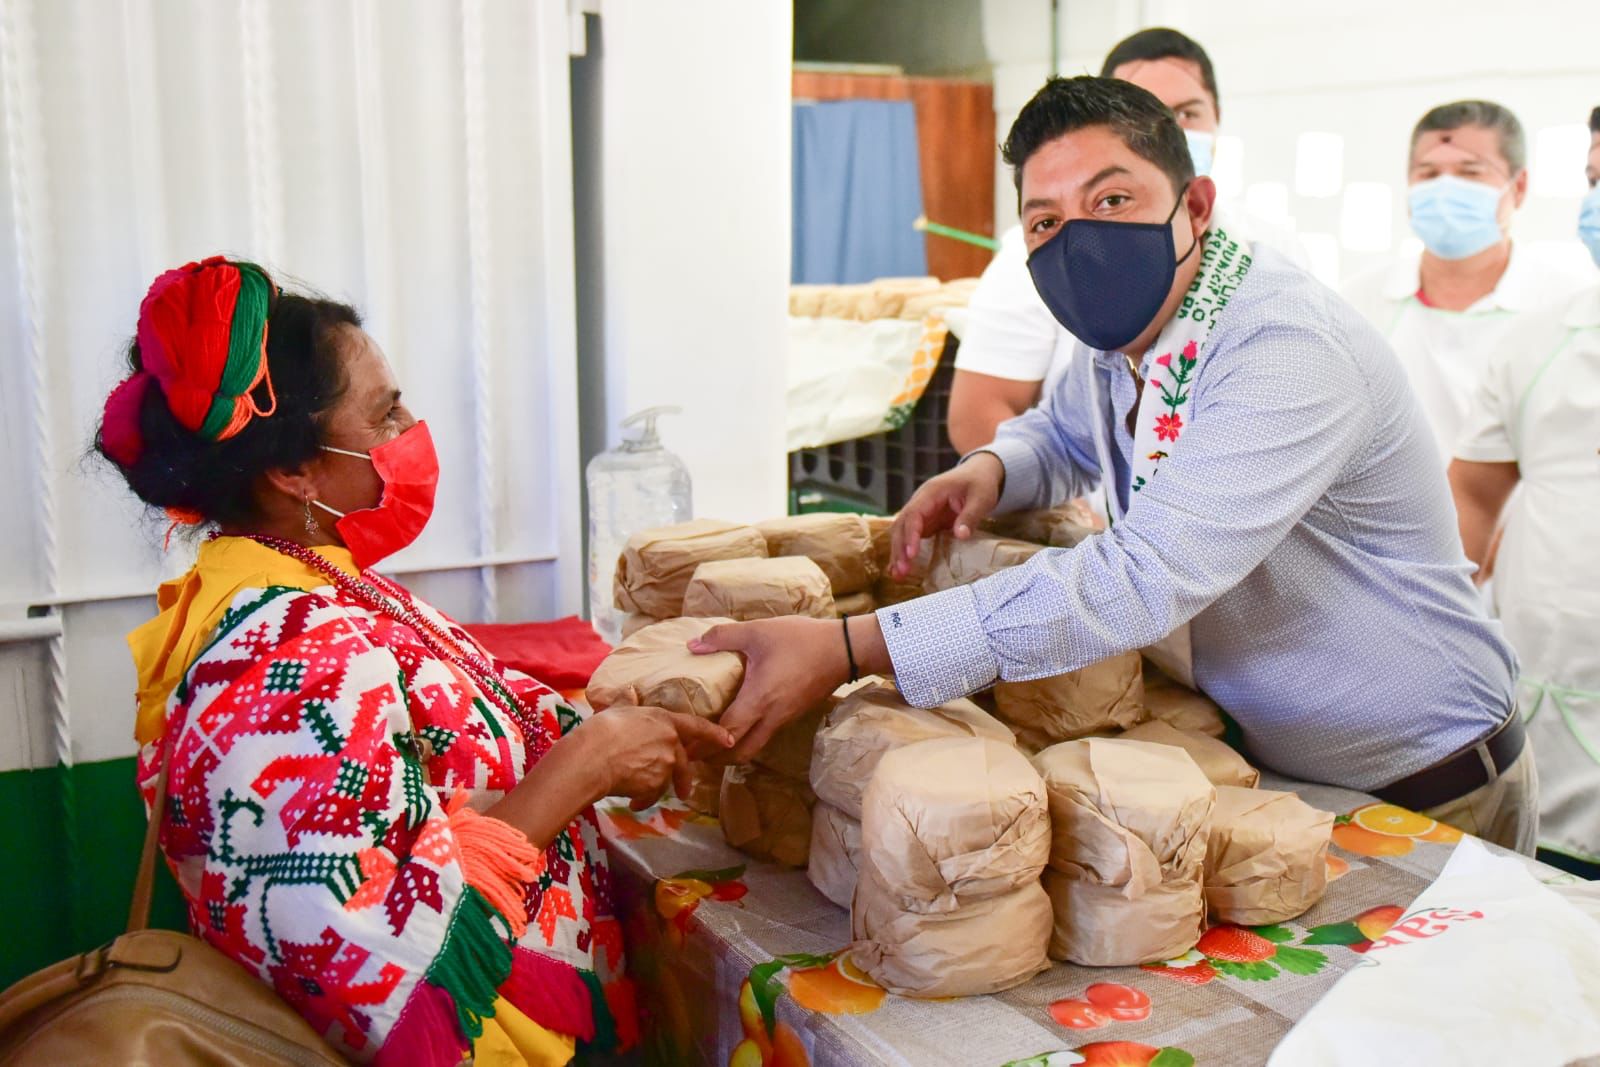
[
  {"x": 1098, "y": 925},
  {"x": 956, "y": 562},
  {"x": 1059, "y": 527},
  {"x": 847, "y": 302},
  {"x": 788, "y": 752},
  {"x": 656, "y": 565},
  {"x": 1266, "y": 858},
  {"x": 890, "y": 590},
  {"x": 1221, "y": 764},
  {"x": 983, "y": 947},
  {"x": 874, "y": 720},
  {"x": 805, "y": 301},
  {"x": 1177, "y": 705},
  {"x": 632, "y": 623},
  {"x": 839, "y": 544},
  {"x": 1129, "y": 821},
  {"x": 747, "y": 589},
  {"x": 1101, "y": 697},
  {"x": 654, "y": 667},
  {"x": 855, "y": 604},
  {"x": 954, "y": 835},
  {"x": 766, "y": 815},
  {"x": 835, "y": 853},
  {"x": 879, "y": 528},
  {"x": 705, "y": 788}
]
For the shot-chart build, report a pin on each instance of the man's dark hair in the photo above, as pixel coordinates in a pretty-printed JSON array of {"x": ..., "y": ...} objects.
[
  {"x": 1143, "y": 123},
  {"x": 1159, "y": 42},
  {"x": 1483, "y": 113},
  {"x": 1594, "y": 121}
]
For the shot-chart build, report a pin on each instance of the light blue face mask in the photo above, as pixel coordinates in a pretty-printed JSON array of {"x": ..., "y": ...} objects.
[
  {"x": 1589, "y": 223},
  {"x": 1455, "y": 218},
  {"x": 1200, "y": 148}
]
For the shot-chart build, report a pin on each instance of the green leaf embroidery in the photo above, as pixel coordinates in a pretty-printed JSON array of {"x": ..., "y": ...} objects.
[
  {"x": 1250, "y": 972},
  {"x": 1172, "y": 1057},
  {"x": 805, "y": 960},
  {"x": 722, "y": 874},
  {"x": 764, "y": 985},
  {"x": 1300, "y": 960},
  {"x": 1335, "y": 934}
]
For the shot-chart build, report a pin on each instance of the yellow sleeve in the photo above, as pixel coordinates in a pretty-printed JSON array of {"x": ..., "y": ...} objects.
[{"x": 511, "y": 1039}]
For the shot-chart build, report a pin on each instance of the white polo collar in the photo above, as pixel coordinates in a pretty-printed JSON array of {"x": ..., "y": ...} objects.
[{"x": 1522, "y": 287}]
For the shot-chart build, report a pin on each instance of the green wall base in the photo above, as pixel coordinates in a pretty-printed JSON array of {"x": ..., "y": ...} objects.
[{"x": 72, "y": 838}]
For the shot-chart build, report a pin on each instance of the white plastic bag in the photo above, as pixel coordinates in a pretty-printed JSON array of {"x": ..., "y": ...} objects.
[{"x": 1487, "y": 966}]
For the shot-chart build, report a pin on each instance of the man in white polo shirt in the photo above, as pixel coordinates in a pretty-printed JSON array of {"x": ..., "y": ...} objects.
[
  {"x": 1535, "y": 424},
  {"x": 1469, "y": 291},
  {"x": 1012, "y": 349}
]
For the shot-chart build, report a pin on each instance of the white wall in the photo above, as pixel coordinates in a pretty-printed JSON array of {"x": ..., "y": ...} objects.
[
  {"x": 692, "y": 196},
  {"x": 1365, "y": 70},
  {"x": 410, "y": 156}
]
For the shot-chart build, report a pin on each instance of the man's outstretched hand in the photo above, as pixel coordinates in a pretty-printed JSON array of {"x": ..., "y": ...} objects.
[
  {"x": 790, "y": 664},
  {"x": 956, "y": 500}
]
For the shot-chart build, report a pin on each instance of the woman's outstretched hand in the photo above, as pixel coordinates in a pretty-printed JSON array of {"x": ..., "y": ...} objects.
[
  {"x": 622, "y": 751},
  {"x": 641, "y": 751}
]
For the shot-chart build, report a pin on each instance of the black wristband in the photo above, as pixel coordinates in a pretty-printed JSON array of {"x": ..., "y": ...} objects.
[{"x": 849, "y": 652}]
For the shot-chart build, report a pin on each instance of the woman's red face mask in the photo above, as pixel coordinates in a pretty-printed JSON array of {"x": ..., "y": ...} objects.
[{"x": 409, "y": 469}]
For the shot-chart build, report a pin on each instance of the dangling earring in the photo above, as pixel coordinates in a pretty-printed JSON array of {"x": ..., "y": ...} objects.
[{"x": 311, "y": 522}]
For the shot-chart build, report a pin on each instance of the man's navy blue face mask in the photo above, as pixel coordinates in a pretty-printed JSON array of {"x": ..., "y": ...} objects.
[{"x": 1105, "y": 281}]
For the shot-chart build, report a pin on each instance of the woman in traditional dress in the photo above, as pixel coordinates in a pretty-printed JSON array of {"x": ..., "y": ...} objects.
[{"x": 363, "y": 807}]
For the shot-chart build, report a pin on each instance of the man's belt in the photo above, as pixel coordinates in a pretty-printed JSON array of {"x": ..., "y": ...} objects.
[{"x": 1458, "y": 775}]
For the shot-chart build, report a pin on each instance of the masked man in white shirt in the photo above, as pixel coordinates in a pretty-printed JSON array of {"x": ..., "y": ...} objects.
[
  {"x": 1011, "y": 347},
  {"x": 1535, "y": 423},
  {"x": 1469, "y": 291}
]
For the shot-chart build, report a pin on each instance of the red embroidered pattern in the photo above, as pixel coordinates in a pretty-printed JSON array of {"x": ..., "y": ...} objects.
[{"x": 313, "y": 843}]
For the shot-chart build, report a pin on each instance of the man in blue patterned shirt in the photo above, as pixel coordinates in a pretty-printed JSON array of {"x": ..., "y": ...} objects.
[{"x": 1280, "y": 522}]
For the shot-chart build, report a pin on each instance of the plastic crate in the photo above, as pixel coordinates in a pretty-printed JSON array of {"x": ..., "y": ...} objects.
[{"x": 878, "y": 474}]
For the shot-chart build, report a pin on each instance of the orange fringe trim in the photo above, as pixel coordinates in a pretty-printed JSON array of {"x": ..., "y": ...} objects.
[{"x": 498, "y": 860}]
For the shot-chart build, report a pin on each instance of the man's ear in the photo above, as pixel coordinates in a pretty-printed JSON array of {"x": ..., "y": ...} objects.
[
  {"x": 1201, "y": 201},
  {"x": 1519, "y": 188}
]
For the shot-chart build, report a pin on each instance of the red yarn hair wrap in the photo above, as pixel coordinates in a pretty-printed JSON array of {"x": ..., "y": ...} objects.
[{"x": 203, "y": 336}]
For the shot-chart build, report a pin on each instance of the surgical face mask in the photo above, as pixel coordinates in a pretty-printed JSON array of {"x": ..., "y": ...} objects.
[
  {"x": 1105, "y": 281},
  {"x": 1201, "y": 145},
  {"x": 1455, "y": 218},
  {"x": 409, "y": 469},
  {"x": 1589, "y": 223}
]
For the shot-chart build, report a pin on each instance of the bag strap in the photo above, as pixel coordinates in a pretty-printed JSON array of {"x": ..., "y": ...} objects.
[{"x": 144, "y": 881}]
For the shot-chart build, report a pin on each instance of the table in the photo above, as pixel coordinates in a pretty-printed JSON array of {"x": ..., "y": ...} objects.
[{"x": 709, "y": 928}]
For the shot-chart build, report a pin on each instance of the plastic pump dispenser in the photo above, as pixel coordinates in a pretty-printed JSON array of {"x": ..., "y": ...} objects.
[{"x": 635, "y": 486}]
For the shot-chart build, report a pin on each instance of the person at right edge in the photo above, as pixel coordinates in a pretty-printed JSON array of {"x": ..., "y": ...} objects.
[
  {"x": 1281, "y": 532},
  {"x": 1535, "y": 424},
  {"x": 1470, "y": 290}
]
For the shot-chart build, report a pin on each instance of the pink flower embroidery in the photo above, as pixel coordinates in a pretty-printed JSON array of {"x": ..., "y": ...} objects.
[
  {"x": 1190, "y": 352},
  {"x": 1164, "y": 361},
  {"x": 1169, "y": 426}
]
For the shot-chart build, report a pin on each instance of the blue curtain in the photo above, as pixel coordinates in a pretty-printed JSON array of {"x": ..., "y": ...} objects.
[{"x": 857, "y": 190}]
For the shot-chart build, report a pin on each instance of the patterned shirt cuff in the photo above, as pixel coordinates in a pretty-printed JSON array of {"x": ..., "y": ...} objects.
[
  {"x": 1024, "y": 478},
  {"x": 938, "y": 647}
]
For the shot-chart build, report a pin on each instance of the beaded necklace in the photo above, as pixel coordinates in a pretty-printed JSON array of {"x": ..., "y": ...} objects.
[{"x": 380, "y": 594}]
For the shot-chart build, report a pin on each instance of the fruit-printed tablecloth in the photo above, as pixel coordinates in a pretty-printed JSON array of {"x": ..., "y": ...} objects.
[{"x": 741, "y": 963}]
